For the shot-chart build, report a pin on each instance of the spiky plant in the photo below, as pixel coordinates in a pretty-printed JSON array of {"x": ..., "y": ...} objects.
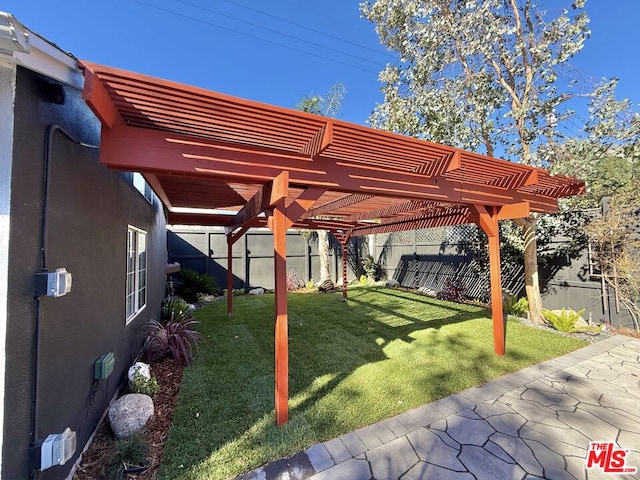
[{"x": 174, "y": 339}]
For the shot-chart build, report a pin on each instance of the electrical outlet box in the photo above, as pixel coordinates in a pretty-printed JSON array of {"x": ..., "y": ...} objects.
[
  {"x": 57, "y": 448},
  {"x": 104, "y": 366},
  {"x": 53, "y": 284}
]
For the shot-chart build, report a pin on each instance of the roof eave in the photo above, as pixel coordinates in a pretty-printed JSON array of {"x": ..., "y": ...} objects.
[{"x": 21, "y": 46}]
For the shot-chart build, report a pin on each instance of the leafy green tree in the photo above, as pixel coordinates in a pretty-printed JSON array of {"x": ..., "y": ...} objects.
[
  {"x": 607, "y": 156},
  {"x": 489, "y": 76},
  {"x": 327, "y": 105}
]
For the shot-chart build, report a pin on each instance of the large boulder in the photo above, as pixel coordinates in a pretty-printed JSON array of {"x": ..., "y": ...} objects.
[
  {"x": 256, "y": 291},
  {"x": 427, "y": 291},
  {"x": 392, "y": 282},
  {"x": 326, "y": 286},
  {"x": 129, "y": 414}
]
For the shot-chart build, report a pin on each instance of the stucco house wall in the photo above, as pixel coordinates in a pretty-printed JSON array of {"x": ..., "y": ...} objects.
[{"x": 89, "y": 209}]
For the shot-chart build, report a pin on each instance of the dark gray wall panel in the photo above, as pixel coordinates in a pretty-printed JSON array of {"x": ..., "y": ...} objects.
[
  {"x": 252, "y": 256},
  {"x": 89, "y": 210}
]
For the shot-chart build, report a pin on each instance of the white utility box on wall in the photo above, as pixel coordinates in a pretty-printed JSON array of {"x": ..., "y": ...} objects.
[
  {"x": 53, "y": 284},
  {"x": 57, "y": 448}
]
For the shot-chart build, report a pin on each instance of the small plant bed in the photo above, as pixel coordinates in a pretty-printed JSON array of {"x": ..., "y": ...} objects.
[
  {"x": 591, "y": 336},
  {"x": 353, "y": 363},
  {"x": 96, "y": 459}
]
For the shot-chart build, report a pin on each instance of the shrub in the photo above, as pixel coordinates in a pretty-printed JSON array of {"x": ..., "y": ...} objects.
[
  {"x": 128, "y": 453},
  {"x": 144, "y": 385},
  {"x": 453, "y": 291},
  {"x": 194, "y": 283},
  {"x": 511, "y": 305},
  {"x": 175, "y": 309},
  {"x": 294, "y": 282},
  {"x": 370, "y": 267},
  {"x": 174, "y": 339},
  {"x": 565, "y": 321},
  {"x": 310, "y": 284}
]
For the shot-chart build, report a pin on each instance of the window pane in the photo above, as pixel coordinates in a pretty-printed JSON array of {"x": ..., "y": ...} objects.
[
  {"x": 142, "y": 269},
  {"x": 130, "y": 310},
  {"x": 131, "y": 251},
  {"x": 136, "y": 271},
  {"x": 142, "y": 298}
]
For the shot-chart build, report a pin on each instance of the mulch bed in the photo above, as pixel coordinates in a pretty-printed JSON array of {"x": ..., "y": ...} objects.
[
  {"x": 168, "y": 373},
  {"x": 626, "y": 331}
]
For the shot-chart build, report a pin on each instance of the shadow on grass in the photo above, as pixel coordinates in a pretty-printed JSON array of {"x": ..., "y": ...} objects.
[{"x": 350, "y": 364}]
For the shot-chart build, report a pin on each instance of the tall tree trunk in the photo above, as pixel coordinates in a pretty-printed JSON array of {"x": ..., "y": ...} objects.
[
  {"x": 531, "y": 279},
  {"x": 323, "y": 253}
]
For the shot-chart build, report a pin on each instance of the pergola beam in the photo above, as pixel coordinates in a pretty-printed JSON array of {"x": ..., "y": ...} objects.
[
  {"x": 147, "y": 150},
  {"x": 96, "y": 96},
  {"x": 443, "y": 218},
  {"x": 448, "y": 163},
  {"x": 337, "y": 204},
  {"x": 320, "y": 141},
  {"x": 392, "y": 210},
  {"x": 266, "y": 197},
  {"x": 157, "y": 187}
]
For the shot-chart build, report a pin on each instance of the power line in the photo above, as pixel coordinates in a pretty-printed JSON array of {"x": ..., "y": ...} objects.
[
  {"x": 335, "y": 37},
  {"x": 272, "y": 30},
  {"x": 262, "y": 39},
  {"x": 315, "y": 12}
]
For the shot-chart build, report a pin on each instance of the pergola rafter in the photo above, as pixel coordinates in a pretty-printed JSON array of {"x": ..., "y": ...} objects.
[{"x": 282, "y": 168}]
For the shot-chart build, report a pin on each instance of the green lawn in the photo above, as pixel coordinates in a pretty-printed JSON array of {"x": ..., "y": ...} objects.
[{"x": 350, "y": 364}]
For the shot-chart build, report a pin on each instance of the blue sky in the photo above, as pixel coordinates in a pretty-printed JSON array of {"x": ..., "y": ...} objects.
[{"x": 293, "y": 49}]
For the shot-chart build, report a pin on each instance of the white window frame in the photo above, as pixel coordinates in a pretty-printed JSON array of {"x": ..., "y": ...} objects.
[{"x": 136, "y": 279}]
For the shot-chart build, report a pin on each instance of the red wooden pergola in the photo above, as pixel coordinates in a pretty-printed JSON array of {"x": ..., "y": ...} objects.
[{"x": 284, "y": 169}]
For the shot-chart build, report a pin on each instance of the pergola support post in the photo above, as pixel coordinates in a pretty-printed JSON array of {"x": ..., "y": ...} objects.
[
  {"x": 229, "y": 276},
  {"x": 280, "y": 220},
  {"x": 231, "y": 239},
  {"x": 487, "y": 219},
  {"x": 496, "y": 295},
  {"x": 279, "y": 228},
  {"x": 344, "y": 269}
]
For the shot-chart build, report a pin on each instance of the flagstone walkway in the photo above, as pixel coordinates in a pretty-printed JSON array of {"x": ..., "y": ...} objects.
[{"x": 536, "y": 423}]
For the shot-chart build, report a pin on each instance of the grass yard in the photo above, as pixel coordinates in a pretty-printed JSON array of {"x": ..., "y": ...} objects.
[{"x": 350, "y": 364}]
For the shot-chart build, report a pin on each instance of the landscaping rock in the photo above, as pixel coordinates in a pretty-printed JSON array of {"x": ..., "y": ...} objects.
[
  {"x": 142, "y": 368},
  {"x": 326, "y": 286},
  {"x": 427, "y": 291},
  {"x": 392, "y": 282},
  {"x": 204, "y": 298},
  {"x": 581, "y": 323},
  {"x": 256, "y": 291},
  {"x": 129, "y": 414}
]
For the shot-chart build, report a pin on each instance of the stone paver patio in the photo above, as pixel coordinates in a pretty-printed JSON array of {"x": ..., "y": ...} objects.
[{"x": 532, "y": 424}]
